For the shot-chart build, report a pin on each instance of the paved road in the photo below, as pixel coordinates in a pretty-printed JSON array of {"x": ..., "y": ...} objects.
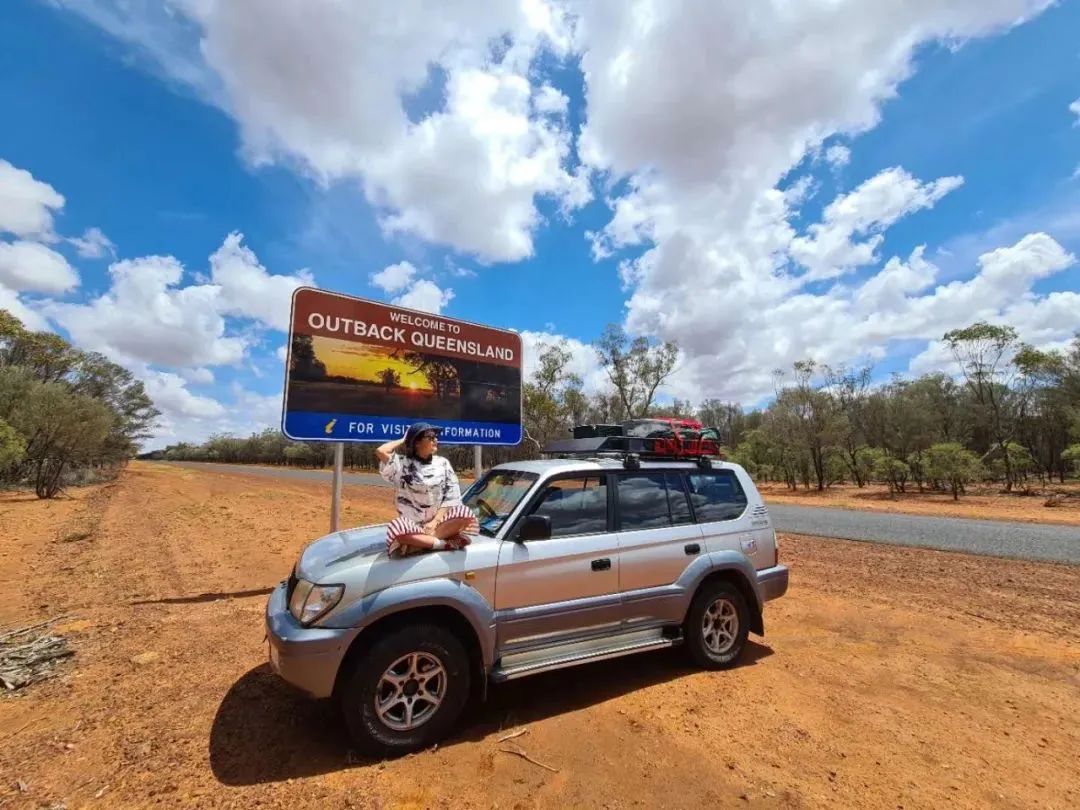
[{"x": 1025, "y": 541}]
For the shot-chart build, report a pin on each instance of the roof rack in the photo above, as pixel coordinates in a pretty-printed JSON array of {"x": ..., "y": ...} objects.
[{"x": 630, "y": 449}]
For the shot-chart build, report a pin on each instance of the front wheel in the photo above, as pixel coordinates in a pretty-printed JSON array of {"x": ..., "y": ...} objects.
[
  {"x": 407, "y": 691},
  {"x": 717, "y": 626}
]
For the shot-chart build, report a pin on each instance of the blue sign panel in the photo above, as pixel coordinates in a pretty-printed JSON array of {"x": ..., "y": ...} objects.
[{"x": 362, "y": 371}]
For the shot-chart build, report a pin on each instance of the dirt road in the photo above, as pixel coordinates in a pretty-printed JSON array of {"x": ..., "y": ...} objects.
[{"x": 890, "y": 677}]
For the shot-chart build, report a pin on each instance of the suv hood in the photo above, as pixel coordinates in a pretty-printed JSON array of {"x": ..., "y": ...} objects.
[{"x": 327, "y": 557}]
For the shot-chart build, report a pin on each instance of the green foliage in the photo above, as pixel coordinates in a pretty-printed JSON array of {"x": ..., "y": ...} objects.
[
  {"x": 69, "y": 410},
  {"x": 893, "y": 471},
  {"x": 953, "y": 465},
  {"x": 12, "y": 446},
  {"x": 1071, "y": 456}
]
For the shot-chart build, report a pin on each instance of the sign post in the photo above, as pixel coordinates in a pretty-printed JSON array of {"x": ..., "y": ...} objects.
[
  {"x": 335, "y": 499},
  {"x": 478, "y": 462},
  {"x": 364, "y": 371}
]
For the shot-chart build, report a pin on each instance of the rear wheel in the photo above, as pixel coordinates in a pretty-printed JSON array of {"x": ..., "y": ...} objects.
[
  {"x": 717, "y": 626},
  {"x": 407, "y": 691}
]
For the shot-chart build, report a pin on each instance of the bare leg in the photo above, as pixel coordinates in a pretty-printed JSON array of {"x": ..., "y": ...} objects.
[
  {"x": 455, "y": 526},
  {"x": 423, "y": 542}
]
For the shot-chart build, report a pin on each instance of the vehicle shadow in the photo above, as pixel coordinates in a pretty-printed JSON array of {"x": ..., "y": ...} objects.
[
  {"x": 266, "y": 731},
  {"x": 205, "y": 597}
]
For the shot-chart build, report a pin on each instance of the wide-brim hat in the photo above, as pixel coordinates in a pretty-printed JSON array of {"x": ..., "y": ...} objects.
[{"x": 415, "y": 431}]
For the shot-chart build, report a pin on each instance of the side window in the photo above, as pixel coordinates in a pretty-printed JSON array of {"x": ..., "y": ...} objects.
[
  {"x": 716, "y": 495},
  {"x": 575, "y": 506},
  {"x": 643, "y": 502},
  {"x": 680, "y": 507}
]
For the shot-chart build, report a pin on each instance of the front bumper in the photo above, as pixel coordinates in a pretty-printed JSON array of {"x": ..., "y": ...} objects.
[
  {"x": 772, "y": 582},
  {"x": 306, "y": 657}
]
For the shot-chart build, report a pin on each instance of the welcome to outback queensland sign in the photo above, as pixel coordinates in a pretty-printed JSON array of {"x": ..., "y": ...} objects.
[{"x": 363, "y": 371}]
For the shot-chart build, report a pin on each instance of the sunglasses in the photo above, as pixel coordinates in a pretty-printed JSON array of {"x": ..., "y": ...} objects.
[{"x": 431, "y": 436}]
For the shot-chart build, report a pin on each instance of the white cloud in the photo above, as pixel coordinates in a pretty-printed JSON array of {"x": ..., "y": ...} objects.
[
  {"x": 1074, "y": 108},
  {"x": 146, "y": 316},
  {"x": 31, "y": 319},
  {"x": 394, "y": 278},
  {"x": 198, "y": 376},
  {"x": 33, "y": 267},
  {"x": 324, "y": 85},
  {"x": 838, "y": 155},
  {"x": 830, "y": 248},
  {"x": 425, "y": 296},
  {"x": 468, "y": 177},
  {"x": 93, "y": 244},
  {"x": 281, "y": 353},
  {"x": 703, "y": 137},
  {"x": 27, "y": 205},
  {"x": 248, "y": 290},
  {"x": 171, "y": 396},
  {"x": 583, "y": 358},
  {"x": 551, "y": 101},
  {"x": 193, "y": 418}
]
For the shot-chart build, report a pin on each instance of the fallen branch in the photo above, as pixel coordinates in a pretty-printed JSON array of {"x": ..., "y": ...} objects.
[
  {"x": 512, "y": 736},
  {"x": 23, "y": 662},
  {"x": 519, "y": 753},
  {"x": 23, "y": 630}
]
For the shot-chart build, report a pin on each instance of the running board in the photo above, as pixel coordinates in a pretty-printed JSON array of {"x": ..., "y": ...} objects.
[{"x": 568, "y": 655}]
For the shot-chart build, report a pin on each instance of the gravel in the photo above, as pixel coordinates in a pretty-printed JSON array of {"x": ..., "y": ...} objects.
[{"x": 1022, "y": 541}]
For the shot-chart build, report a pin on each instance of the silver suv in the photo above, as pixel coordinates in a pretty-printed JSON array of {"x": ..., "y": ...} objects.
[{"x": 578, "y": 561}]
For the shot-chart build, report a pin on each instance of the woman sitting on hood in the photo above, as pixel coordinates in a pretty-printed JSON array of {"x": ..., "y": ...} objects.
[{"x": 431, "y": 516}]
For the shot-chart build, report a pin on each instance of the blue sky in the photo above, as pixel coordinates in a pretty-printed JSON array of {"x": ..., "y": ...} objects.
[{"x": 758, "y": 199}]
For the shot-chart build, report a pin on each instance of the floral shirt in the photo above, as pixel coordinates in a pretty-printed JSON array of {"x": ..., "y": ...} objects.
[{"x": 422, "y": 489}]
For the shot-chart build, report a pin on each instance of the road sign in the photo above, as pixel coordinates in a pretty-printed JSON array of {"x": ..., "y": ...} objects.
[{"x": 364, "y": 371}]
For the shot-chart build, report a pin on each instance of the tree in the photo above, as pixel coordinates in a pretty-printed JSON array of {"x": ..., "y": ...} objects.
[
  {"x": 850, "y": 388},
  {"x": 551, "y": 398},
  {"x": 951, "y": 464},
  {"x": 806, "y": 419},
  {"x": 63, "y": 429},
  {"x": 1071, "y": 456},
  {"x": 894, "y": 471},
  {"x": 303, "y": 364},
  {"x": 636, "y": 368},
  {"x": 984, "y": 352},
  {"x": 389, "y": 378}
]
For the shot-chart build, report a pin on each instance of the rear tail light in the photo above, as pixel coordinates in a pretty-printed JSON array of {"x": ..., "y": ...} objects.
[{"x": 776, "y": 549}]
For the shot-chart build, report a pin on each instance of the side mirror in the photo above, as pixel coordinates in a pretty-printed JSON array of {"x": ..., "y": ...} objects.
[{"x": 534, "y": 527}]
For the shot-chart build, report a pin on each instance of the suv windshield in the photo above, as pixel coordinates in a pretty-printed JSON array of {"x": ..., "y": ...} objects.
[{"x": 495, "y": 495}]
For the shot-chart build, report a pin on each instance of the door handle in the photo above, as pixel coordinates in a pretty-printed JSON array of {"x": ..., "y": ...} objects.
[
  {"x": 601, "y": 565},
  {"x": 691, "y": 549}
]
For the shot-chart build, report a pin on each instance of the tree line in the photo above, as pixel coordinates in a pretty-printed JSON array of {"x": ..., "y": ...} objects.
[
  {"x": 1012, "y": 416},
  {"x": 65, "y": 414}
]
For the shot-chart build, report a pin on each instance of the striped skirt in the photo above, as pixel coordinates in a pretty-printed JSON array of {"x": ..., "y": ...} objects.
[{"x": 402, "y": 525}]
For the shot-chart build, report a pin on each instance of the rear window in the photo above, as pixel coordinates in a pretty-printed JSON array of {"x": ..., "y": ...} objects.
[{"x": 716, "y": 495}]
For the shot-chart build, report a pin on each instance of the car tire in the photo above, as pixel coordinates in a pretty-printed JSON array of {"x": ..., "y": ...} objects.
[
  {"x": 407, "y": 691},
  {"x": 717, "y": 626}
]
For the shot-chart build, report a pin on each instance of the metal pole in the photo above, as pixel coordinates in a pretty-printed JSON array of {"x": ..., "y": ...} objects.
[
  {"x": 335, "y": 500},
  {"x": 478, "y": 461}
]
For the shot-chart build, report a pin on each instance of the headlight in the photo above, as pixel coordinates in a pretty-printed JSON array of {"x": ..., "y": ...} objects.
[{"x": 309, "y": 602}]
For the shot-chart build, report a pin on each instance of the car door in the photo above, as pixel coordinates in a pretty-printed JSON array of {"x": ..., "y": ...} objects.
[
  {"x": 658, "y": 541},
  {"x": 720, "y": 506},
  {"x": 567, "y": 585}
]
